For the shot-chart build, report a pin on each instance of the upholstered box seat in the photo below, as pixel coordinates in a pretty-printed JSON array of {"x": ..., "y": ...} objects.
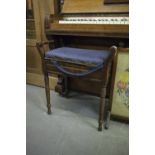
[
  {"x": 71, "y": 65},
  {"x": 79, "y": 56}
]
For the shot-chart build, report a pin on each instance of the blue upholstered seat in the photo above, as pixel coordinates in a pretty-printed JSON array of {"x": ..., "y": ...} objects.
[{"x": 76, "y": 55}]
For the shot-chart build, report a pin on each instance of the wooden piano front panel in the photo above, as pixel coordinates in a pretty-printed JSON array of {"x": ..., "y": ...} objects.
[{"x": 91, "y": 30}]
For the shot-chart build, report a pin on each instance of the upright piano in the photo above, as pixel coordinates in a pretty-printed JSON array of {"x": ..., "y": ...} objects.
[{"x": 91, "y": 24}]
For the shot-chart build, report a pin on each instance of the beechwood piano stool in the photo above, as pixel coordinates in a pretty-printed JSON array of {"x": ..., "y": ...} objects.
[{"x": 93, "y": 60}]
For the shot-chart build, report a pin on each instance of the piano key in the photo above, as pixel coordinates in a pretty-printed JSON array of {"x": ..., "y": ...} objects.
[{"x": 95, "y": 20}]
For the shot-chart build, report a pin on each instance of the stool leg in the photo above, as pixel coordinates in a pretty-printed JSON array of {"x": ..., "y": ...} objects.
[
  {"x": 101, "y": 108},
  {"x": 107, "y": 114},
  {"x": 47, "y": 89},
  {"x": 109, "y": 96}
]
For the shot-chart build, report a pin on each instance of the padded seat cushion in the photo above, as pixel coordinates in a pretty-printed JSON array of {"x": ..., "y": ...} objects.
[{"x": 76, "y": 55}]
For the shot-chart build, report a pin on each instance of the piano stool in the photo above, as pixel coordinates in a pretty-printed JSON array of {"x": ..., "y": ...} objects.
[{"x": 93, "y": 60}]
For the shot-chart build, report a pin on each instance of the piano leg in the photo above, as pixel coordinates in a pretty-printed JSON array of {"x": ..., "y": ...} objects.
[
  {"x": 47, "y": 90},
  {"x": 62, "y": 85},
  {"x": 66, "y": 91}
]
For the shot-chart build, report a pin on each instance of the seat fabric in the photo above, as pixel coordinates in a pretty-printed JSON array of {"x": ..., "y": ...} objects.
[{"x": 79, "y": 56}]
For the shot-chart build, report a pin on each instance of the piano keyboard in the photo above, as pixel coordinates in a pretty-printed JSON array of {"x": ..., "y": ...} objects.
[{"x": 95, "y": 20}]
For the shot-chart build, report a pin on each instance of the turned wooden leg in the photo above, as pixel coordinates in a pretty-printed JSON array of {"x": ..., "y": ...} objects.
[
  {"x": 107, "y": 114},
  {"x": 101, "y": 108},
  {"x": 47, "y": 89}
]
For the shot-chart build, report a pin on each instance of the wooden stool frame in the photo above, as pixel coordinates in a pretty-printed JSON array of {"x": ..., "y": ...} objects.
[{"x": 107, "y": 83}]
